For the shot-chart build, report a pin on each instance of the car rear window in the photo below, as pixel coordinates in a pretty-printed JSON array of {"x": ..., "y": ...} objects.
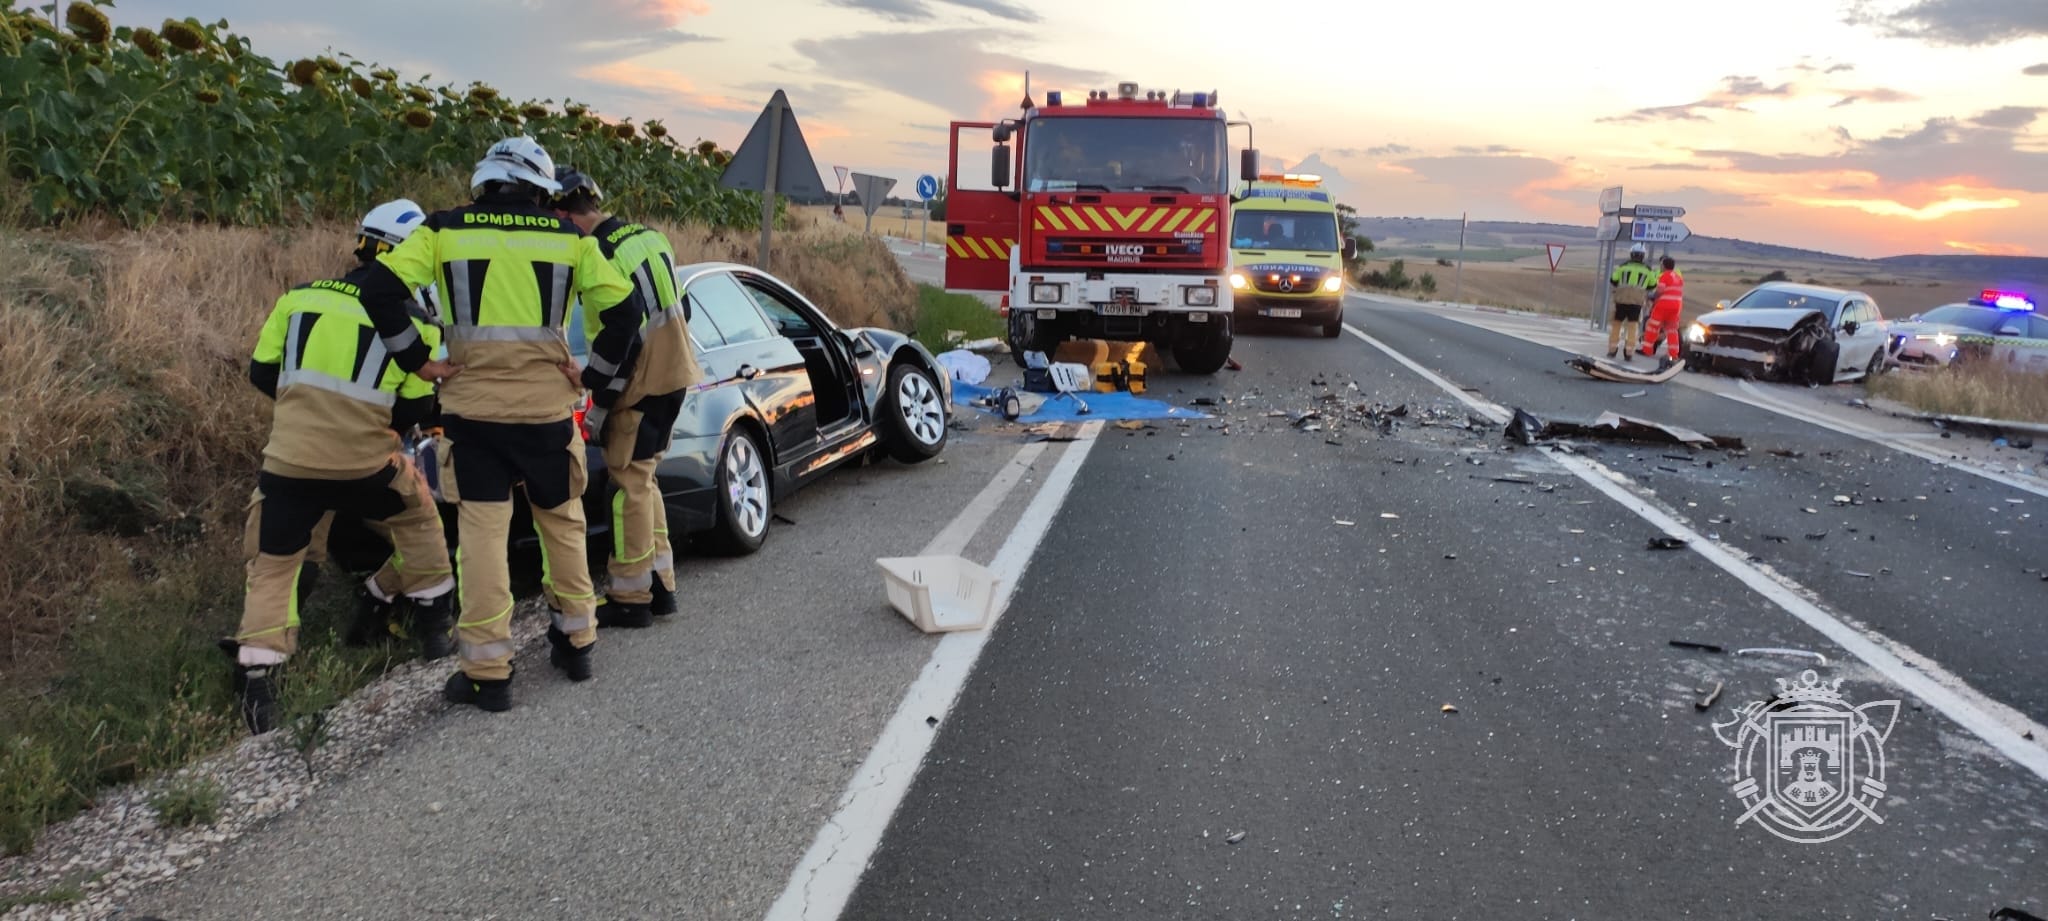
[
  {"x": 1774, "y": 299},
  {"x": 1977, "y": 318}
]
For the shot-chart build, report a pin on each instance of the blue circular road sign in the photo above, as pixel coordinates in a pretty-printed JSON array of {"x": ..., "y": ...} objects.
[{"x": 927, "y": 187}]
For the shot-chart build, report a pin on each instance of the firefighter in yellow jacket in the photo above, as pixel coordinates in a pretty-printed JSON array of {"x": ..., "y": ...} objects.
[
  {"x": 334, "y": 447},
  {"x": 508, "y": 270},
  {"x": 1632, "y": 282},
  {"x": 635, "y": 421}
]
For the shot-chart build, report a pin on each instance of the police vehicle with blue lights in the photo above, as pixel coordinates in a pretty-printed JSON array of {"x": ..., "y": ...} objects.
[
  {"x": 1286, "y": 256},
  {"x": 1996, "y": 327}
]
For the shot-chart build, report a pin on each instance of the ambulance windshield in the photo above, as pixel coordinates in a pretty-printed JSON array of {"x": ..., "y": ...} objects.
[{"x": 1175, "y": 155}]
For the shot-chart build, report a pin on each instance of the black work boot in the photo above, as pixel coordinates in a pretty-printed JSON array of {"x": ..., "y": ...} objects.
[
  {"x": 255, "y": 690},
  {"x": 372, "y": 621},
  {"x": 492, "y": 696},
  {"x": 664, "y": 604},
  {"x": 619, "y": 614},
  {"x": 434, "y": 623},
  {"x": 563, "y": 654}
]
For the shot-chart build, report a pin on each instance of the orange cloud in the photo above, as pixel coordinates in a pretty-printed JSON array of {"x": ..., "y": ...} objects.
[
  {"x": 1933, "y": 211},
  {"x": 1988, "y": 249},
  {"x": 665, "y": 82},
  {"x": 661, "y": 14}
]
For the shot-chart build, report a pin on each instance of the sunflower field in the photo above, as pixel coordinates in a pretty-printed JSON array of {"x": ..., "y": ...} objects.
[{"x": 185, "y": 122}]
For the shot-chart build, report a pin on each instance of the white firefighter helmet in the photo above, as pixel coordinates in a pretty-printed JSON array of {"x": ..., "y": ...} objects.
[
  {"x": 1638, "y": 250},
  {"x": 517, "y": 159},
  {"x": 391, "y": 222}
]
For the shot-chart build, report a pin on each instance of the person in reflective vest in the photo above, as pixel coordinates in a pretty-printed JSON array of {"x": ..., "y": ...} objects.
[
  {"x": 341, "y": 401},
  {"x": 1631, "y": 282},
  {"x": 1670, "y": 301},
  {"x": 508, "y": 269},
  {"x": 636, "y": 421}
]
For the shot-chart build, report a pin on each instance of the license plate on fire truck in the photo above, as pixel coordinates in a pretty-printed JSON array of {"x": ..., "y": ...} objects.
[{"x": 1123, "y": 302}]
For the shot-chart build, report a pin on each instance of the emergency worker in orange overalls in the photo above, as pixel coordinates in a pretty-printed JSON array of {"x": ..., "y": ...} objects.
[{"x": 1670, "y": 300}]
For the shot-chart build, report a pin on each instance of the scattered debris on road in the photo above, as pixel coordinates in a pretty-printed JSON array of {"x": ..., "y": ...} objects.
[
  {"x": 1703, "y": 647},
  {"x": 1782, "y": 651},
  {"x": 1667, "y": 543},
  {"x": 1234, "y": 838},
  {"x": 1450, "y": 709},
  {"x": 1707, "y": 702},
  {"x": 1528, "y": 429}
]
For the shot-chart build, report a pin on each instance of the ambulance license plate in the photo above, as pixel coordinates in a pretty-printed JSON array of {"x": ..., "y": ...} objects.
[{"x": 1285, "y": 313}]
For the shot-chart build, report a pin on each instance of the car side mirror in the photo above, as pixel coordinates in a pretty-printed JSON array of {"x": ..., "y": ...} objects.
[
  {"x": 1350, "y": 248},
  {"x": 2009, "y": 331},
  {"x": 999, "y": 166},
  {"x": 1248, "y": 165},
  {"x": 1849, "y": 326},
  {"x": 862, "y": 348}
]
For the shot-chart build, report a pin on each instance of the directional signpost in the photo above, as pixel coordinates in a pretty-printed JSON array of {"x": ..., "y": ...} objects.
[
  {"x": 1660, "y": 212},
  {"x": 927, "y": 189},
  {"x": 872, "y": 190},
  {"x": 1659, "y": 231},
  {"x": 1610, "y": 227},
  {"x": 773, "y": 160}
]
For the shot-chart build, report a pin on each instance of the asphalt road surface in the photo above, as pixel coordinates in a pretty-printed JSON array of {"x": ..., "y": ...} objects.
[
  {"x": 1375, "y": 664},
  {"x": 1229, "y": 692}
]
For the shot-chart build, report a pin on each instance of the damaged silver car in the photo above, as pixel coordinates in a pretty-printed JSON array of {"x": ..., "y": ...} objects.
[{"x": 1789, "y": 332}]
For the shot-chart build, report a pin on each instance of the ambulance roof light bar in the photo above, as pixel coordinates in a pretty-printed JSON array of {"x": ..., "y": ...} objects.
[{"x": 2006, "y": 300}]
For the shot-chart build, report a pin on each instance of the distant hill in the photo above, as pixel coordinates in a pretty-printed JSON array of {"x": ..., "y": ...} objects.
[{"x": 1438, "y": 233}]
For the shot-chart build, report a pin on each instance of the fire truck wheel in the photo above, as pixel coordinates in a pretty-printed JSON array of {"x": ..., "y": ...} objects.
[
  {"x": 1026, "y": 335},
  {"x": 1202, "y": 352}
]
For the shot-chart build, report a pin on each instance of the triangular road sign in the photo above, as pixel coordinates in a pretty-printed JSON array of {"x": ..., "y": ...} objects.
[{"x": 796, "y": 174}]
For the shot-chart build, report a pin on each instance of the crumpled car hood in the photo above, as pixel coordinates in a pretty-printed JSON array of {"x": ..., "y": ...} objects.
[{"x": 1783, "y": 319}]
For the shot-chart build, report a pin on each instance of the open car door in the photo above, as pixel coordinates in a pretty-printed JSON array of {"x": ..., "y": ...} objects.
[{"x": 981, "y": 220}]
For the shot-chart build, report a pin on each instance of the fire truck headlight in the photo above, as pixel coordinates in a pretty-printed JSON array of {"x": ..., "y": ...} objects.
[
  {"x": 1198, "y": 295},
  {"x": 1333, "y": 284},
  {"x": 1237, "y": 281},
  {"x": 1044, "y": 293}
]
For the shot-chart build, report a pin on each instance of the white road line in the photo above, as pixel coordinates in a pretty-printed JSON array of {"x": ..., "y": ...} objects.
[
  {"x": 1901, "y": 442},
  {"x": 826, "y": 877},
  {"x": 1751, "y": 396},
  {"x": 965, "y": 525},
  {"x": 2000, "y": 726}
]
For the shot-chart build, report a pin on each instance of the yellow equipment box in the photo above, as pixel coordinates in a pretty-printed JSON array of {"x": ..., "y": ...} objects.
[{"x": 1116, "y": 365}]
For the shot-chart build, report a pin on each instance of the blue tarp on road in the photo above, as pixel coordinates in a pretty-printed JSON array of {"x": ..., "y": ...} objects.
[{"x": 1105, "y": 406}]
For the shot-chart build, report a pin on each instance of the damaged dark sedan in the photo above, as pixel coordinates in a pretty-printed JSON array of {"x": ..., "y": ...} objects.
[{"x": 1790, "y": 332}]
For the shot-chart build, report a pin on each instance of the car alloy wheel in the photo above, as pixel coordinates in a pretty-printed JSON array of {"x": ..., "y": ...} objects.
[
  {"x": 923, "y": 415},
  {"x": 746, "y": 486}
]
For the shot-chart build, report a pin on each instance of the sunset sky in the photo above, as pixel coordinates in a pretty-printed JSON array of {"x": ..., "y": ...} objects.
[{"x": 1867, "y": 127}]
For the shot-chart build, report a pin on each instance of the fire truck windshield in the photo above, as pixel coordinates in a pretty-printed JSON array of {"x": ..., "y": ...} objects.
[{"x": 1125, "y": 155}]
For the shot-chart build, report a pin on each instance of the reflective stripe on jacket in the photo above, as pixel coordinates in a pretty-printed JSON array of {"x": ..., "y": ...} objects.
[
  {"x": 663, "y": 362},
  {"x": 1671, "y": 290},
  {"x": 336, "y": 382},
  {"x": 1632, "y": 282},
  {"x": 507, "y": 273}
]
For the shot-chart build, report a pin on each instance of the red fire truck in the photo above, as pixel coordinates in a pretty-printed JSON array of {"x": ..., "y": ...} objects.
[{"x": 1113, "y": 226}]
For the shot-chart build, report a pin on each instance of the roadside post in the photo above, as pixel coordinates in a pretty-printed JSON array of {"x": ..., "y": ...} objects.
[
  {"x": 1603, "y": 236},
  {"x": 1458, "y": 288},
  {"x": 1556, "y": 253},
  {"x": 872, "y": 191},
  {"x": 927, "y": 189},
  {"x": 773, "y": 160}
]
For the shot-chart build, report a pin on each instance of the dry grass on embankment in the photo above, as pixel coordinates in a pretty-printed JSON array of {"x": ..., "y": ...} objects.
[
  {"x": 1985, "y": 391},
  {"x": 130, "y": 447}
]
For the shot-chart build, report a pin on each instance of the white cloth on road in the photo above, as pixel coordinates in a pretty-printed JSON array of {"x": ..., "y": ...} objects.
[{"x": 964, "y": 366}]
